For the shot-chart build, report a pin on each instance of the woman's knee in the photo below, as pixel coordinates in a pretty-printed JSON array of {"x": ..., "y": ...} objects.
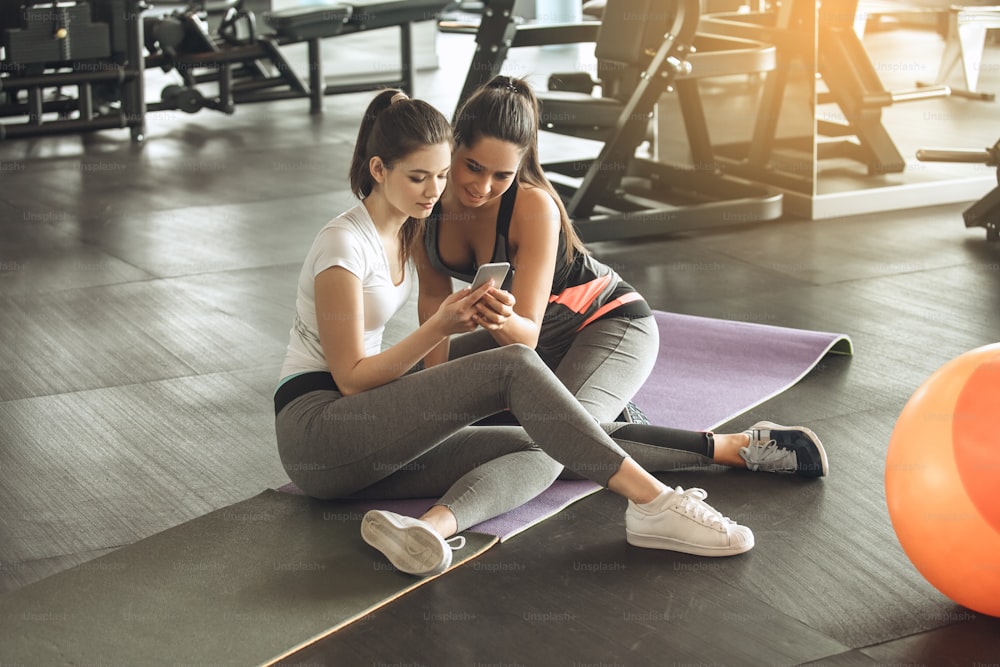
[
  {"x": 524, "y": 363},
  {"x": 517, "y": 356}
]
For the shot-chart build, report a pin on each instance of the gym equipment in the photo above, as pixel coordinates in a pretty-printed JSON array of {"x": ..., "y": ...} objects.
[
  {"x": 251, "y": 68},
  {"x": 854, "y": 85},
  {"x": 985, "y": 212},
  {"x": 94, "y": 47},
  {"x": 964, "y": 43},
  {"x": 182, "y": 41},
  {"x": 940, "y": 479},
  {"x": 618, "y": 194},
  {"x": 103, "y": 47},
  {"x": 462, "y": 17},
  {"x": 826, "y": 43}
]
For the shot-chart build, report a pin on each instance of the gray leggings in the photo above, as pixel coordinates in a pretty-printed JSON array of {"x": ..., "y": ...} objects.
[
  {"x": 604, "y": 366},
  {"x": 411, "y": 437}
]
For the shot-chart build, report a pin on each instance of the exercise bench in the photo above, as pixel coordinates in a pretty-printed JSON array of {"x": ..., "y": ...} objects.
[
  {"x": 315, "y": 22},
  {"x": 253, "y": 69}
]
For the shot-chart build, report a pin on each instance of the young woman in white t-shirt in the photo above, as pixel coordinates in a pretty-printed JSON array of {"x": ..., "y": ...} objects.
[{"x": 353, "y": 420}]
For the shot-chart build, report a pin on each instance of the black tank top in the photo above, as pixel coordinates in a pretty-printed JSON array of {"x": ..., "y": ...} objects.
[{"x": 583, "y": 290}]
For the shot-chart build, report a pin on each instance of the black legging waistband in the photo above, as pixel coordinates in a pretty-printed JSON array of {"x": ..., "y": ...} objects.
[{"x": 302, "y": 384}]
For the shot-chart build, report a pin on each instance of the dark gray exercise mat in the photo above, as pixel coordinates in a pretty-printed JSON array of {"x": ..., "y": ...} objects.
[{"x": 244, "y": 585}]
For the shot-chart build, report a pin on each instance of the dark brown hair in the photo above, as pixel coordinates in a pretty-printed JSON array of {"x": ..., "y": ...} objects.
[
  {"x": 506, "y": 108},
  {"x": 393, "y": 127}
]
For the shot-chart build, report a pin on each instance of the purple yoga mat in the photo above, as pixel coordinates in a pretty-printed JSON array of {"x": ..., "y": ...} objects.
[
  {"x": 561, "y": 494},
  {"x": 708, "y": 372}
]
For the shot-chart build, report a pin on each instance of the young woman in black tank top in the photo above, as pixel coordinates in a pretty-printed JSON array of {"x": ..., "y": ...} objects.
[
  {"x": 586, "y": 323},
  {"x": 590, "y": 326}
]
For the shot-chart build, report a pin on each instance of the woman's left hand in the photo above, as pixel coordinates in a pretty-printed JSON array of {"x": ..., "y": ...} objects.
[{"x": 494, "y": 309}]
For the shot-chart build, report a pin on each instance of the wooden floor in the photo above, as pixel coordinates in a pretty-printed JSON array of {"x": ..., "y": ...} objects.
[{"x": 146, "y": 294}]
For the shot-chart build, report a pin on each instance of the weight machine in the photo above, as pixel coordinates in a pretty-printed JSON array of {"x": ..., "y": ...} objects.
[
  {"x": 94, "y": 48},
  {"x": 246, "y": 65},
  {"x": 824, "y": 42},
  {"x": 985, "y": 212},
  {"x": 102, "y": 48},
  {"x": 645, "y": 49}
]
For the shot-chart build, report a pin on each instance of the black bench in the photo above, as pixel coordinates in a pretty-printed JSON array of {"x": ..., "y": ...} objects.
[
  {"x": 234, "y": 57},
  {"x": 316, "y": 22}
]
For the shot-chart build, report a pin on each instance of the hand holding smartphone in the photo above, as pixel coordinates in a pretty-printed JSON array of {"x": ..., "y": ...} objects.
[{"x": 495, "y": 270}]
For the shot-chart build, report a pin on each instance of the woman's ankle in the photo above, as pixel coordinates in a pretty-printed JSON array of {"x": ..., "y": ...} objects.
[
  {"x": 727, "y": 449},
  {"x": 633, "y": 482},
  {"x": 442, "y": 520}
]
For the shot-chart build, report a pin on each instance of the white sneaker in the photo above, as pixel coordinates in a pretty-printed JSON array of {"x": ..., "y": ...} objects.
[
  {"x": 411, "y": 545},
  {"x": 682, "y": 521}
]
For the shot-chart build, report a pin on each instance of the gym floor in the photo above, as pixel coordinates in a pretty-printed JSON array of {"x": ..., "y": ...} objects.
[{"x": 147, "y": 293}]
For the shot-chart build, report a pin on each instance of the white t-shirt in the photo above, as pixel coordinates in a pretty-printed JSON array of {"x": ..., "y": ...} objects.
[{"x": 350, "y": 241}]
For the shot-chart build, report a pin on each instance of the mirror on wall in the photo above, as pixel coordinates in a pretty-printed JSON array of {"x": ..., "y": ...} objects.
[
  {"x": 762, "y": 123},
  {"x": 933, "y": 67},
  {"x": 858, "y": 89}
]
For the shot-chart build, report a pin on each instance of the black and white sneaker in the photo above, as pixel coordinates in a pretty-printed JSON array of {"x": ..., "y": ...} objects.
[{"x": 789, "y": 449}]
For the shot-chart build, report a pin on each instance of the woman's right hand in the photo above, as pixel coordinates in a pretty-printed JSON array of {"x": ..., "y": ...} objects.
[{"x": 457, "y": 314}]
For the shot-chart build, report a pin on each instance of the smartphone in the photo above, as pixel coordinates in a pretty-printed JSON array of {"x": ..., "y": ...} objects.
[{"x": 496, "y": 270}]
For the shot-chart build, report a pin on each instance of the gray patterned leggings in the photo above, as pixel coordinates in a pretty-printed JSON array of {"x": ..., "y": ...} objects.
[
  {"x": 411, "y": 438},
  {"x": 604, "y": 366}
]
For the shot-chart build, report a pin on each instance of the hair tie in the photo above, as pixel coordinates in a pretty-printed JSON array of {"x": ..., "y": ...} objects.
[{"x": 399, "y": 96}]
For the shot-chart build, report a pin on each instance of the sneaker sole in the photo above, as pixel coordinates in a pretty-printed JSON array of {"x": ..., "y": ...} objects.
[
  {"x": 669, "y": 544},
  {"x": 771, "y": 426},
  {"x": 384, "y": 533}
]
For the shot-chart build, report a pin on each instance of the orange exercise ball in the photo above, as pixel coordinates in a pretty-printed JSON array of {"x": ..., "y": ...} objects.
[{"x": 942, "y": 479}]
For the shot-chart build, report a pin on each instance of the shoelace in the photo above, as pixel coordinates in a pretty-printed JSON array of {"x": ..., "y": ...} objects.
[
  {"x": 692, "y": 503},
  {"x": 769, "y": 453},
  {"x": 455, "y": 543}
]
